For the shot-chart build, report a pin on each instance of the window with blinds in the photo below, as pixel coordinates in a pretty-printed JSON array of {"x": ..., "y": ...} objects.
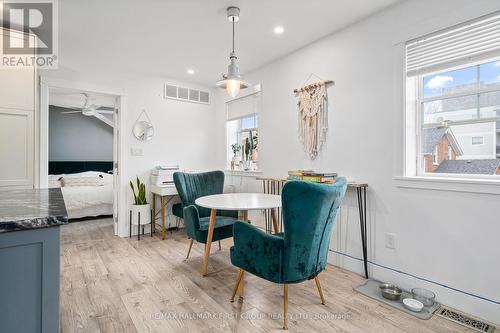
[
  {"x": 470, "y": 42},
  {"x": 242, "y": 132},
  {"x": 453, "y": 93}
]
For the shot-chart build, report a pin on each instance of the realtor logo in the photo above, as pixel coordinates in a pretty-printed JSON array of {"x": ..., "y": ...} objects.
[{"x": 30, "y": 36}]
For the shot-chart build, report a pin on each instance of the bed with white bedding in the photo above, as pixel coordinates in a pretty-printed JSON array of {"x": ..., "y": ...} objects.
[{"x": 86, "y": 194}]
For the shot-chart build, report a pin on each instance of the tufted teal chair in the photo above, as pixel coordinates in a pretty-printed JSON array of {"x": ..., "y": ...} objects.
[
  {"x": 190, "y": 187},
  {"x": 300, "y": 252}
]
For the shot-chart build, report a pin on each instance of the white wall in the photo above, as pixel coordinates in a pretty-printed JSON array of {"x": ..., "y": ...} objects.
[
  {"x": 75, "y": 137},
  {"x": 449, "y": 238}
]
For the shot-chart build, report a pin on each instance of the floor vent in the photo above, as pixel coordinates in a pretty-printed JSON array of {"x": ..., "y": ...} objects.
[
  {"x": 464, "y": 320},
  {"x": 186, "y": 94}
]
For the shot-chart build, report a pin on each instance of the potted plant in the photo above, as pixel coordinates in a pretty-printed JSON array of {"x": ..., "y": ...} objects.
[
  {"x": 235, "y": 148},
  {"x": 247, "y": 151},
  {"x": 140, "y": 204},
  {"x": 254, "y": 141}
]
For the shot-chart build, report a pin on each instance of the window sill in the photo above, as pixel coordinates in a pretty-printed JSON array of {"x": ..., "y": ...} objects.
[
  {"x": 243, "y": 173},
  {"x": 483, "y": 186}
]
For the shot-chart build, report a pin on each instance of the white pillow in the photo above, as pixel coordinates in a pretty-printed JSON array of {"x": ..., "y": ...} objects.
[{"x": 82, "y": 181}]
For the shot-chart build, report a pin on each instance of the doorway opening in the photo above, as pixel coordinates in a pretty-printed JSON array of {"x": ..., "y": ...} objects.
[{"x": 80, "y": 148}]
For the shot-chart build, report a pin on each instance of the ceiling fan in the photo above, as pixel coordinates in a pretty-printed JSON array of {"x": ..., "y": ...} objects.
[{"x": 94, "y": 110}]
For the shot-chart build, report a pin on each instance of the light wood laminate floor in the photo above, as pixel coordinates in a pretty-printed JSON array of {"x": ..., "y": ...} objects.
[{"x": 112, "y": 284}]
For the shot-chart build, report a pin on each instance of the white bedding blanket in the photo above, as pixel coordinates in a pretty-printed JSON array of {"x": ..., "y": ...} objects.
[
  {"x": 79, "y": 197},
  {"x": 84, "y": 201}
]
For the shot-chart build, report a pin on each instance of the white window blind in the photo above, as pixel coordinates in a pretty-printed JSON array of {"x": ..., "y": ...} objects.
[
  {"x": 242, "y": 107},
  {"x": 471, "y": 41}
]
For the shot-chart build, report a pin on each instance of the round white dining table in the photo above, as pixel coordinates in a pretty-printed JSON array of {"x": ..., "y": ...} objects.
[{"x": 236, "y": 201}]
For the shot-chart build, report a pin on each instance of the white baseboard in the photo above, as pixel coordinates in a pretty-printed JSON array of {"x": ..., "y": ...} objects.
[{"x": 460, "y": 300}]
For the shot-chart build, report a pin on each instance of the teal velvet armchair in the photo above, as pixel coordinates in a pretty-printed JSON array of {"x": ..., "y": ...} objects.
[
  {"x": 300, "y": 252},
  {"x": 190, "y": 187}
]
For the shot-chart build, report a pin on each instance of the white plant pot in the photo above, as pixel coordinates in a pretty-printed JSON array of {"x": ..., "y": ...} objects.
[{"x": 144, "y": 210}]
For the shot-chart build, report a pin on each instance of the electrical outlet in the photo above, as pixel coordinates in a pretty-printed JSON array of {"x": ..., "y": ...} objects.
[
  {"x": 390, "y": 241},
  {"x": 136, "y": 151}
]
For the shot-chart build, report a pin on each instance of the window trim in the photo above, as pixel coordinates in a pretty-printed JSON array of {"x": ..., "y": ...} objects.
[
  {"x": 419, "y": 122},
  {"x": 252, "y": 91},
  {"x": 453, "y": 184}
]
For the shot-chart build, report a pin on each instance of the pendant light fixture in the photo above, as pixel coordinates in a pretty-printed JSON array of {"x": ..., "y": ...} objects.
[{"x": 232, "y": 81}]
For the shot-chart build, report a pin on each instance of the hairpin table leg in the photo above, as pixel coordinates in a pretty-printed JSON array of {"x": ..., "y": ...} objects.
[{"x": 361, "y": 192}]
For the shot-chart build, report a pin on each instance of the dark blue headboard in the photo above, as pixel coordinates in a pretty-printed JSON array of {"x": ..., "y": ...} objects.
[{"x": 59, "y": 167}]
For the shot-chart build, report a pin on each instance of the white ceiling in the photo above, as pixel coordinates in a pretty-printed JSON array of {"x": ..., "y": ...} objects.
[{"x": 166, "y": 37}]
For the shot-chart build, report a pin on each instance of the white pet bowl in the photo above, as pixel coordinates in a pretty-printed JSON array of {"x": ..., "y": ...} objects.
[{"x": 413, "y": 305}]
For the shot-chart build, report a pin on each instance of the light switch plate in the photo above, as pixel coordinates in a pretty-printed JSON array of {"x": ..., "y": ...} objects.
[{"x": 136, "y": 151}]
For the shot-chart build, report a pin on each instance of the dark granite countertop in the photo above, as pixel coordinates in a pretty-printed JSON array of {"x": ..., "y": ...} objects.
[{"x": 31, "y": 209}]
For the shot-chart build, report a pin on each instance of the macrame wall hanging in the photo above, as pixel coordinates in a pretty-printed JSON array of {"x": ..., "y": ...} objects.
[{"x": 313, "y": 115}]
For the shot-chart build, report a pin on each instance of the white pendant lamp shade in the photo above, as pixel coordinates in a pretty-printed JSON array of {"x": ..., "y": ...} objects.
[{"x": 232, "y": 81}]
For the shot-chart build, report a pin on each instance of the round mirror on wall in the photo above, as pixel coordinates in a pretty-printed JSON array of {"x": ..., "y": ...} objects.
[{"x": 143, "y": 130}]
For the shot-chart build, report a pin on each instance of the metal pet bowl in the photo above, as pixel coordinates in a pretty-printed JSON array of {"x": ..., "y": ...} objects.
[{"x": 390, "y": 291}]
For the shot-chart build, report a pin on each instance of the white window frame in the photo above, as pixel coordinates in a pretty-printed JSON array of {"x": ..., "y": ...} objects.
[
  {"x": 257, "y": 89},
  {"x": 419, "y": 170}
]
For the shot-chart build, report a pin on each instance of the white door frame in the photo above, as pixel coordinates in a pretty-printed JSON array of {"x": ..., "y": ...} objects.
[{"x": 120, "y": 224}]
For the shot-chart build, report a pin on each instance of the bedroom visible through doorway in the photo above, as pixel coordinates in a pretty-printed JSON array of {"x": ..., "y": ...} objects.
[{"x": 82, "y": 151}]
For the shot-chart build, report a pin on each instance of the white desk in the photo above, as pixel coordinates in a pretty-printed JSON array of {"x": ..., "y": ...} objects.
[
  {"x": 236, "y": 201},
  {"x": 166, "y": 194}
]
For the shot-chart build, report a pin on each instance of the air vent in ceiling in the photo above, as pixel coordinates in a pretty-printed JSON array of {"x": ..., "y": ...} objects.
[
  {"x": 186, "y": 94},
  {"x": 461, "y": 319}
]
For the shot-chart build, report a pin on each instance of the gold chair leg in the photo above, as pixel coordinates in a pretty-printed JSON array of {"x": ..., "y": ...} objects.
[
  {"x": 219, "y": 246},
  {"x": 238, "y": 281},
  {"x": 190, "y": 246},
  {"x": 318, "y": 284},
  {"x": 285, "y": 307}
]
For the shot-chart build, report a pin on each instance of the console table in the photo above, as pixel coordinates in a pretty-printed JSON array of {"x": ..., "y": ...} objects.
[{"x": 272, "y": 185}]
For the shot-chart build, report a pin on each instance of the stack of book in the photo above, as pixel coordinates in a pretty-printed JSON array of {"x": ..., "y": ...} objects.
[
  {"x": 163, "y": 175},
  {"x": 296, "y": 174},
  {"x": 311, "y": 176}
]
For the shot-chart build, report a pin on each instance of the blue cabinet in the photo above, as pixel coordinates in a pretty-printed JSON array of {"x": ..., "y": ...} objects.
[{"x": 29, "y": 281}]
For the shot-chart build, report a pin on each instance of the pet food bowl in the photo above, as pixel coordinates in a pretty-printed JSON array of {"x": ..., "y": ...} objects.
[
  {"x": 425, "y": 296},
  {"x": 413, "y": 305},
  {"x": 390, "y": 291}
]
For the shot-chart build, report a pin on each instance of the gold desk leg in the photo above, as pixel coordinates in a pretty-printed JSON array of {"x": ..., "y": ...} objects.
[
  {"x": 163, "y": 217},
  {"x": 210, "y": 235}
]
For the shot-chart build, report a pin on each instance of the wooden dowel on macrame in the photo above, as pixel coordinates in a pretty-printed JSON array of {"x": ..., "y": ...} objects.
[{"x": 313, "y": 85}]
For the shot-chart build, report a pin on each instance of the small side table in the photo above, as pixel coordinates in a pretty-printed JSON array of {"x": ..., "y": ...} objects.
[
  {"x": 152, "y": 229},
  {"x": 166, "y": 194}
]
